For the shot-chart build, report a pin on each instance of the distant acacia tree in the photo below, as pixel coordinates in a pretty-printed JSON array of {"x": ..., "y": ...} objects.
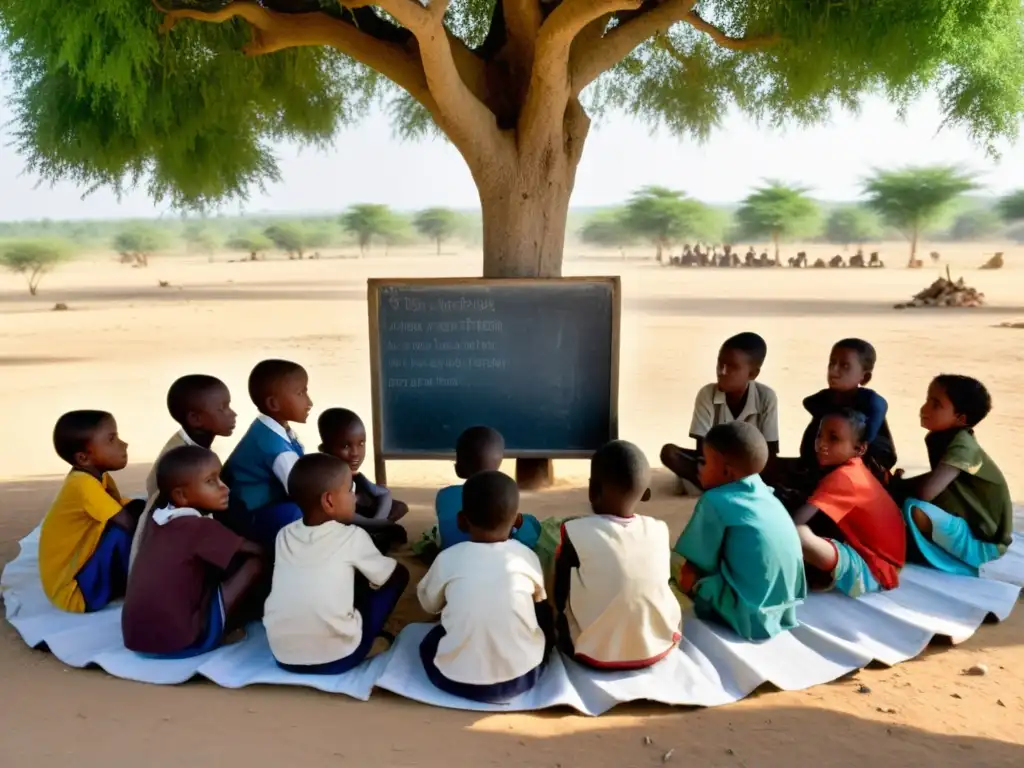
[
  {"x": 852, "y": 224},
  {"x": 366, "y": 221},
  {"x": 253, "y": 243},
  {"x": 1011, "y": 207},
  {"x": 289, "y": 237},
  {"x": 666, "y": 216},
  {"x": 439, "y": 224},
  {"x": 913, "y": 198},
  {"x": 138, "y": 243},
  {"x": 778, "y": 211},
  {"x": 34, "y": 258}
]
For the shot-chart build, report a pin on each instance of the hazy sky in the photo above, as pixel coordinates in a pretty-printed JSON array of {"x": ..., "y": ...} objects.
[{"x": 368, "y": 165}]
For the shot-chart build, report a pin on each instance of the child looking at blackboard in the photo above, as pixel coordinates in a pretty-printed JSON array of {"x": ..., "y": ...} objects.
[
  {"x": 343, "y": 435},
  {"x": 257, "y": 470},
  {"x": 615, "y": 608},
  {"x": 478, "y": 449},
  {"x": 735, "y": 395}
]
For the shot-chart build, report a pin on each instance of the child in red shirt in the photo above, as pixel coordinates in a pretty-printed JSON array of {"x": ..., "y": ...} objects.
[{"x": 851, "y": 530}]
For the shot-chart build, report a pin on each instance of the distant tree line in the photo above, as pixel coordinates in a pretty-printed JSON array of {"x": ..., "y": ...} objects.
[{"x": 910, "y": 202}]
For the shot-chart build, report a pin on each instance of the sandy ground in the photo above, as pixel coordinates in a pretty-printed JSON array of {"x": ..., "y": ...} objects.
[{"x": 125, "y": 339}]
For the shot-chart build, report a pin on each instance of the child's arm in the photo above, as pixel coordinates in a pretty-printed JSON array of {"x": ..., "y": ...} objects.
[
  {"x": 565, "y": 560},
  {"x": 770, "y": 421},
  {"x": 703, "y": 416},
  {"x": 874, "y": 411},
  {"x": 252, "y": 549},
  {"x": 378, "y": 496},
  {"x": 377, "y": 568},
  {"x": 701, "y": 543},
  {"x": 431, "y": 589},
  {"x": 804, "y": 514},
  {"x": 929, "y": 485},
  {"x": 282, "y": 467}
]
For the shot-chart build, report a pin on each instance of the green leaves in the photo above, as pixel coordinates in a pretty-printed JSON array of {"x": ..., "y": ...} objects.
[
  {"x": 779, "y": 211},
  {"x": 368, "y": 220},
  {"x": 912, "y": 198},
  {"x": 1011, "y": 207},
  {"x": 34, "y": 258},
  {"x": 852, "y": 224}
]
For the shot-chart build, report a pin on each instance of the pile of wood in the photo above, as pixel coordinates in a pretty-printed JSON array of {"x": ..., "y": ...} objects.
[{"x": 945, "y": 292}]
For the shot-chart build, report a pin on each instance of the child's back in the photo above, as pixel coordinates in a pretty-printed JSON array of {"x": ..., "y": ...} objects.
[
  {"x": 620, "y": 607},
  {"x": 743, "y": 539},
  {"x": 448, "y": 504}
]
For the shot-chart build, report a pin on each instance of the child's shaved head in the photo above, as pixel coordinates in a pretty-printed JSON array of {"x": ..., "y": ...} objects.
[
  {"x": 490, "y": 503},
  {"x": 266, "y": 376},
  {"x": 622, "y": 466},
  {"x": 478, "y": 449},
  {"x": 314, "y": 475},
  {"x": 741, "y": 445}
]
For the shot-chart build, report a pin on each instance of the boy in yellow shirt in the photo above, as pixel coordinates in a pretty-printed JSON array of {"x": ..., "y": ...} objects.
[{"x": 87, "y": 534}]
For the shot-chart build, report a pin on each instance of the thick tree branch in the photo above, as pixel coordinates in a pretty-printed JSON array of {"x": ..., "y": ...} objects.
[
  {"x": 523, "y": 20},
  {"x": 465, "y": 119},
  {"x": 588, "y": 62},
  {"x": 549, "y": 90},
  {"x": 698, "y": 22}
]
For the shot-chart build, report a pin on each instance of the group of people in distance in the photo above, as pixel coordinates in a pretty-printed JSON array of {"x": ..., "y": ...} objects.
[{"x": 302, "y": 540}]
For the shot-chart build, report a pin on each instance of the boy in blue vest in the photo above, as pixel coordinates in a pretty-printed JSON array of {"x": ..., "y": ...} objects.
[{"x": 257, "y": 470}]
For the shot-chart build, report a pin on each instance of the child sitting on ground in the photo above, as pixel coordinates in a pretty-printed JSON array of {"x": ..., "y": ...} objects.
[
  {"x": 736, "y": 395},
  {"x": 615, "y": 608},
  {"x": 960, "y": 514},
  {"x": 257, "y": 470},
  {"x": 495, "y": 630},
  {"x": 850, "y": 528},
  {"x": 343, "y": 435},
  {"x": 850, "y": 368},
  {"x": 332, "y": 590},
  {"x": 478, "y": 449},
  {"x": 86, "y": 536},
  {"x": 195, "y": 581},
  {"x": 202, "y": 407},
  {"x": 743, "y": 562}
]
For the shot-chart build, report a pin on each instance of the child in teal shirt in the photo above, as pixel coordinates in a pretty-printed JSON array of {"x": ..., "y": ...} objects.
[{"x": 744, "y": 564}]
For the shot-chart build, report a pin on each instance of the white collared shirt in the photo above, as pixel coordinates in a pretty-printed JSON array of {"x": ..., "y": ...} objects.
[
  {"x": 761, "y": 409},
  {"x": 164, "y": 515},
  {"x": 284, "y": 462}
]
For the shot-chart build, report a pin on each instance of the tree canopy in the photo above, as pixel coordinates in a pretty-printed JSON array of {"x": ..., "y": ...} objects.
[
  {"x": 288, "y": 236},
  {"x": 852, "y": 224},
  {"x": 158, "y": 93},
  {"x": 913, "y": 198},
  {"x": 439, "y": 224},
  {"x": 778, "y": 211},
  {"x": 34, "y": 258},
  {"x": 1011, "y": 207},
  {"x": 666, "y": 216},
  {"x": 139, "y": 242},
  {"x": 368, "y": 220},
  {"x": 253, "y": 243}
]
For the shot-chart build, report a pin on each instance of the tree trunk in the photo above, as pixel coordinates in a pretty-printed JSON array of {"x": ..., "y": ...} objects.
[
  {"x": 775, "y": 242},
  {"x": 913, "y": 247},
  {"x": 439, "y": 246}
]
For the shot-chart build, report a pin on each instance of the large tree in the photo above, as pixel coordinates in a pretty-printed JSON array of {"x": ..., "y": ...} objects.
[
  {"x": 138, "y": 242},
  {"x": 912, "y": 199},
  {"x": 254, "y": 243},
  {"x": 439, "y": 224},
  {"x": 100, "y": 97},
  {"x": 288, "y": 236},
  {"x": 34, "y": 258},
  {"x": 367, "y": 221},
  {"x": 778, "y": 211},
  {"x": 852, "y": 224}
]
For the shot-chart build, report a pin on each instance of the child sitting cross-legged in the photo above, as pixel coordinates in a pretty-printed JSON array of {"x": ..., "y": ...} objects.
[
  {"x": 959, "y": 514},
  {"x": 478, "y": 449},
  {"x": 496, "y": 628},
  {"x": 86, "y": 536},
  {"x": 736, "y": 395},
  {"x": 343, "y": 435},
  {"x": 202, "y": 407},
  {"x": 257, "y": 470},
  {"x": 743, "y": 562},
  {"x": 851, "y": 530},
  {"x": 195, "y": 581},
  {"x": 333, "y": 590},
  {"x": 615, "y": 608}
]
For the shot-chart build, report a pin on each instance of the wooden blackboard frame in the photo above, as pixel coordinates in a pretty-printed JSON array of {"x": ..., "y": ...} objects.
[{"x": 375, "y": 285}]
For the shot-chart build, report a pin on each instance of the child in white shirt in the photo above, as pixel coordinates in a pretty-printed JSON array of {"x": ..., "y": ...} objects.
[
  {"x": 332, "y": 590},
  {"x": 495, "y": 630},
  {"x": 615, "y": 607}
]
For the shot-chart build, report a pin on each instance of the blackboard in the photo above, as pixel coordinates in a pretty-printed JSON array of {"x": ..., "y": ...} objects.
[{"x": 537, "y": 359}]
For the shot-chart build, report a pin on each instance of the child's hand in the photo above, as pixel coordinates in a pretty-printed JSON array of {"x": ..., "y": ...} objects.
[{"x": 897, "y": 474}]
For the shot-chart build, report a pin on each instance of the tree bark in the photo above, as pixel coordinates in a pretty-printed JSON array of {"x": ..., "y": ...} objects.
[
  {"x": 775, "y": 242},
  {"x": 913, "y": 247}
]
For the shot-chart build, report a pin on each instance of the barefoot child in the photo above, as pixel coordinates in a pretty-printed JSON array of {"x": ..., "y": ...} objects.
[
  {"x": 332, "y": 591},
  {"x": 202, "y": 407},
  {"x": 195, "y": 580},
  {"x": 615, "y": 608},
  {"x": 850, "y": 529},
  {"x": 959, "y": 514},
  {"x": 257, "y": 470},
  {"x": 86, "y": 536},
  {"x": 343, "y": 435},
  {"x": 744, "y": 566},
  {"x": 495, "y": 630},
  {"x": 736, "y": 395}
]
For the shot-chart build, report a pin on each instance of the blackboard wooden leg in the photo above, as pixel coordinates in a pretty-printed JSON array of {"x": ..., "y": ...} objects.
[
  {"x": 532, "y": 474},
  {"x": 380, "y": 472}
]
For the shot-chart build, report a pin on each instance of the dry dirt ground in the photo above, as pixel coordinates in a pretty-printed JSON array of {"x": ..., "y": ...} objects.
[{"x": 125, "y": 339}]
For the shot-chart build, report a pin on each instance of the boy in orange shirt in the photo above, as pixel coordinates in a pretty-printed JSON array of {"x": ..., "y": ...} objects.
[
  {"x": 87, "y": 534},
  {"x": 851, "y": 530}
]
